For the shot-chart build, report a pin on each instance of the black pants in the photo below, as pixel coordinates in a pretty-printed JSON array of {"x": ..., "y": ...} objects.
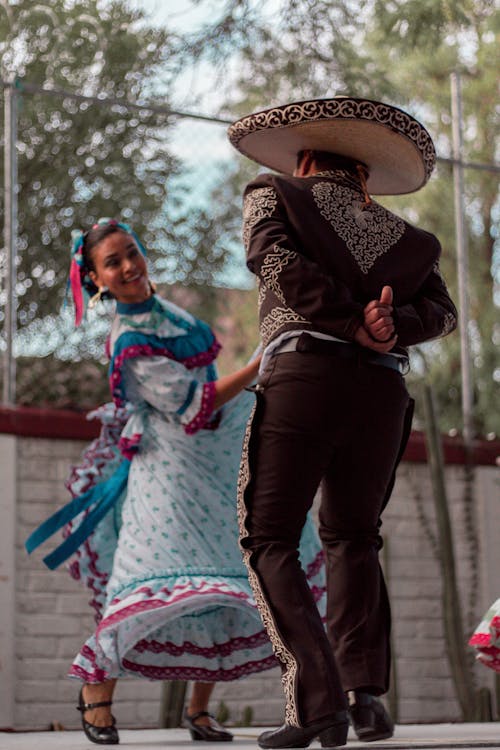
[{"x": 342, "y": 423}]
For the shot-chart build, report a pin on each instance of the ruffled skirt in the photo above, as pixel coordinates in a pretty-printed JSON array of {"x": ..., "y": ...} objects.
[{"x": 169, "y": 586}]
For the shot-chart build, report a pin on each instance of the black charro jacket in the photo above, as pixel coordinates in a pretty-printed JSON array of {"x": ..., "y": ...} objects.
[{"x": 321, "y": 255}]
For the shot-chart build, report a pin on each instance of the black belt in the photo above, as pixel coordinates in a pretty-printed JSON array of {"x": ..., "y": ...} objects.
[{"x": 307, "y": 343}]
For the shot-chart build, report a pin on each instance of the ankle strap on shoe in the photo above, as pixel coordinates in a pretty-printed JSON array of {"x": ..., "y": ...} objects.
[
  {"x": 197, "y": 715},
  {"x": 90, "y": 706}
]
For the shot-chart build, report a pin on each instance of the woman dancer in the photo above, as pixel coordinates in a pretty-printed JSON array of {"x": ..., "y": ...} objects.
[{"x": 155, "y": 530}]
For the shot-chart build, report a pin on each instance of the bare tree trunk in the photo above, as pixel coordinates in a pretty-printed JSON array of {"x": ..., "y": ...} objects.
[
  {"x": 452, "y": 612},
  {"x": 173, "y": 694}
]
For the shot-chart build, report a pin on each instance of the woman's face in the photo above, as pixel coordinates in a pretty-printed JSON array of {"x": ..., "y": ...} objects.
[{"x": 121, "y": 267}]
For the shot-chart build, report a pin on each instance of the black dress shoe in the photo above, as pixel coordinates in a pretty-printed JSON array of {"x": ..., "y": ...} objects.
[
  {"x": 100, "y": 735},
  {"x": 212, "y": 732},
  {"x": 369, "y": 718},
  {"x": 331, "y": 732}
]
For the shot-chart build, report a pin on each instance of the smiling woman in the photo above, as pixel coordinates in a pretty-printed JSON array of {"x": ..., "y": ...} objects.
[
  {"x": 152, "y": 526},
  {"x": 116, "y": 264}
]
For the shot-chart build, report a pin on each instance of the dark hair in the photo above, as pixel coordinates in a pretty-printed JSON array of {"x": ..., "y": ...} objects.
[
  {"x": 330, "y": 160},
  {"x": 91, "y": 239}
]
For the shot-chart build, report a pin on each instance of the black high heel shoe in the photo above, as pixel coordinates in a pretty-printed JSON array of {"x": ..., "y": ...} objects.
[
  {"x": 99, "y": 735},
  {"x": 206, "y": 733}
]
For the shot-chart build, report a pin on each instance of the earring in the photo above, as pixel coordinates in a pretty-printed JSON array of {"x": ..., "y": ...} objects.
[{"x": 97, "y": 296}]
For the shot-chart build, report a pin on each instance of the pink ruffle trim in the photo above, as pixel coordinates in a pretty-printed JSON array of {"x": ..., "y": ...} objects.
[
  {"x": 146, "y": 350},
  {"x": 129, "y": 445},
  {"x": 315, "y": 566},
  {"x": 179, "y": 673},
  {"x": 220, "y": 649},
  {"x": 205, "y": 412},
  {"x": 178, "y": 594}
]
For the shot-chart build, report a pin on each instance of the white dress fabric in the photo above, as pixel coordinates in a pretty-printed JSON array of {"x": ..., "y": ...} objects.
[{"x": 169, "y": 586}]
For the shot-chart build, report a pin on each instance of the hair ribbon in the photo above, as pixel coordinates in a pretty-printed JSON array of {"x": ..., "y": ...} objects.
[{"x": 75, "y": 274}]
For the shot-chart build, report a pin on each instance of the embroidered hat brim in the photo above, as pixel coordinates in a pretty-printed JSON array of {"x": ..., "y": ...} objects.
[{"x": 395, "y": 147}]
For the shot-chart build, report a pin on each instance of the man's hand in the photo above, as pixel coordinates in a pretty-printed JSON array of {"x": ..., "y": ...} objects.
[
  {"x": 377, "y": 332},
  {"x": 378, "y": 317},
  {"x": 362, "y": 338}
]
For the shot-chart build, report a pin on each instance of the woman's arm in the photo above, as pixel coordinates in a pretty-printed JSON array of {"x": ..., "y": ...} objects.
[
  {"x": 172, "y": 389},
  {"x": 228, "y": 386}
]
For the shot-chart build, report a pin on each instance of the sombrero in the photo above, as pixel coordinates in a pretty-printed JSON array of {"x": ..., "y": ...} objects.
[{"x": 396, "y": 148}]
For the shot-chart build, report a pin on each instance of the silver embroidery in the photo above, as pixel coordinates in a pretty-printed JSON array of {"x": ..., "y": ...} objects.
[
  {"x": 336, "y": 174},
  {"x": 270, "y": 270},
  {"x": 286, "y": 658},
  {"x": 449, "y": 324},
  {"x": 437, "y": 270},
  {"x": 368, "y": 231},
  {"x": 259, "y": 204},
  {"x": 449, "y": 320},
  {"x": 262, "y": 294},
  {"x": 347, "y": 108},
  {"x": 277, "y": 318}
]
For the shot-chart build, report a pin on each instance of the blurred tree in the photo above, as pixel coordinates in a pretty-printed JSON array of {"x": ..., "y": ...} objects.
[
  {"x": 49, "y": 381},
  {"x": 434, "y": 39},
  {"x": 402, "y": 52},
  {"x": 79, "y": 160}
]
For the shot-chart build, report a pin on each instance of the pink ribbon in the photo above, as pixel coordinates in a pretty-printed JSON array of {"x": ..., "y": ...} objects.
[{"x": 76, "y": 290}]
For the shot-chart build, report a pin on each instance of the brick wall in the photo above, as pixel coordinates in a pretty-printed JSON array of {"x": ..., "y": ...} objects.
[{"x": 51, "y": 616}]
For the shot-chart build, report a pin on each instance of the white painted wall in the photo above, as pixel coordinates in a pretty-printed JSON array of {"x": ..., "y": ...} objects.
[{"x": 8, "y": 464}]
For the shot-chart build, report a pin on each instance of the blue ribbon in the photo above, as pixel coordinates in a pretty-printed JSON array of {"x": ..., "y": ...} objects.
[{"x": 104, "y": 495}]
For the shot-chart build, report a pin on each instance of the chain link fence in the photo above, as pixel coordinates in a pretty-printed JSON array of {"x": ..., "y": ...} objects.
[{"x": 172, "y": 175}]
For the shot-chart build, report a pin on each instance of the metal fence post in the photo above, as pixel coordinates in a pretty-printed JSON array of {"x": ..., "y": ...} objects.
[
  {"x": 462, "y": 260},
  {"x": 10, "y": 236}
]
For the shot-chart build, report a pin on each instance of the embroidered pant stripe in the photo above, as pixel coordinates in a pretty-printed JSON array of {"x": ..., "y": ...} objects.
[{"x": 285, "y": 657}]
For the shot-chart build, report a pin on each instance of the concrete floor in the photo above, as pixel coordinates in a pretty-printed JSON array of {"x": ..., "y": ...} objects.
[{"x": 407, "y": 737}]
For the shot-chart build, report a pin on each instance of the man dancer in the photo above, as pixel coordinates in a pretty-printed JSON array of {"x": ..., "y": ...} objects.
[{"x": 344, "y": 286}]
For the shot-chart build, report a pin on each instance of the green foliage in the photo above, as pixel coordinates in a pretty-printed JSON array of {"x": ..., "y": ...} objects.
[
  {"x": 222, "y": 714},
  {"x": 466, "y": 42},
  {"x": 426, "y": 23},
  {"x": 402, "y": 51},
  {"x": 79, "y": 161},
  {"x": 47, "y": 381},
  {"x": 246, "y": 717}
]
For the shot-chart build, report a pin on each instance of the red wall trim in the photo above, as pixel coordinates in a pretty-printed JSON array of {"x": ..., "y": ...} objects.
[
  {"x": 484, "y": 452},
  {"x": 58, "y": 424}
]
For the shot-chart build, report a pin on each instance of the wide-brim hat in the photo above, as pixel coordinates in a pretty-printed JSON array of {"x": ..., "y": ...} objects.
[{"x": 396, "y": 148}]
